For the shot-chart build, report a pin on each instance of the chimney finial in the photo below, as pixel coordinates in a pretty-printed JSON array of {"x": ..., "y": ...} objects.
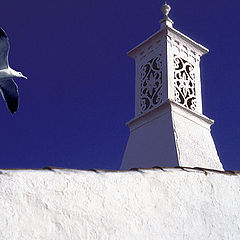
[
  {"x": 166, "y": 21},
  {"x": 165, "y": 10}
]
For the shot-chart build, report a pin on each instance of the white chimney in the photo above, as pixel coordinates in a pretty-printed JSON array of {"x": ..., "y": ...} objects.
[{"x": 169, "y": 128}]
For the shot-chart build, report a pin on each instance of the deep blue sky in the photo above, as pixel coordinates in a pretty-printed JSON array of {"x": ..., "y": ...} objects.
[{"x": 80, "y": 87}]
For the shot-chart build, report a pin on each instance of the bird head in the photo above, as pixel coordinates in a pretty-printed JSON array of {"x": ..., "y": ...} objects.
[{"x": 21, "y": 75}]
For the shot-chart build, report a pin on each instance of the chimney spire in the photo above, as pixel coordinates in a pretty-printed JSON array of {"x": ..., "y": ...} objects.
[
  {"x": 169, "y": 128},
  {"x": 166, "y": 21}
]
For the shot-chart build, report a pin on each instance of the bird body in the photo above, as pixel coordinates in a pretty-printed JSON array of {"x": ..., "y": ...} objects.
[{"x": 8, "y": 87}]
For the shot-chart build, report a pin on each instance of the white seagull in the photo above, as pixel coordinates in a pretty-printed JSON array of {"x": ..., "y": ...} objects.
[{"x": 8, "y": 87}]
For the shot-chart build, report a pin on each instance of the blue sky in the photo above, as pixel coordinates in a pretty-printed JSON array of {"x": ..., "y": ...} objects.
[{"x": 80, "y": 87}]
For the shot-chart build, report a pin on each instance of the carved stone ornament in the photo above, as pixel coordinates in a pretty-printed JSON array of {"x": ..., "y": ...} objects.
[
  {"x": 184, "y": 83},
  {"x": 165, "y": 10},
  {"x": 151, "y": 83}
]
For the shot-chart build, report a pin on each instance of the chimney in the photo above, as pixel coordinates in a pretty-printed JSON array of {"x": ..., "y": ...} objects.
[{"x": 169, "y": 128}]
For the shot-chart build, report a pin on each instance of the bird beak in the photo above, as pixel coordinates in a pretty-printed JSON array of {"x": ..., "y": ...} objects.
[{"x": 25, "y": 77}]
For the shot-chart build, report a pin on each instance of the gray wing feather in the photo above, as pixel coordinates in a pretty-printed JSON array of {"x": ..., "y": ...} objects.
[
  {"x": 9, "y": 92},
  {"x": 4, "y": 49}
]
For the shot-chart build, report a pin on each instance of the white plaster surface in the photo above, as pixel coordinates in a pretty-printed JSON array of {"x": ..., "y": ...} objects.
[
  {"x": 194, "y": 142},
  {"x": 151, "y": 143},
  {"x": 147, "y": 204},
  {"x": 170, "y": 136}
]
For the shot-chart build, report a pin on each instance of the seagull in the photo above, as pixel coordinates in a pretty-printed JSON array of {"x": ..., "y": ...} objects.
[{"x": 8, "y": 87}]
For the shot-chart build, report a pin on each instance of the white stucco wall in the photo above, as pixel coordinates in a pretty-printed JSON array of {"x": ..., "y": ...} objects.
[{"x": 145, "y": 204}]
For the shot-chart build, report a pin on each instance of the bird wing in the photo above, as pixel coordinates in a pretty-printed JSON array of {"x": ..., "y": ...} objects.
[
  {"x": 4, "y": 49},
  {"x": 9, "y": 92}
]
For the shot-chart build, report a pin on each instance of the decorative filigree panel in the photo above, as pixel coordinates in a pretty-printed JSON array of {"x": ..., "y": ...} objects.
[
  {"x": 151, "y": 83},
  {"x": 184, "y": 83}
]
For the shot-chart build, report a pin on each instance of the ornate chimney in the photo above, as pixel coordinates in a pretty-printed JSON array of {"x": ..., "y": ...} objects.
[{"x": 169, "y": 128}]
